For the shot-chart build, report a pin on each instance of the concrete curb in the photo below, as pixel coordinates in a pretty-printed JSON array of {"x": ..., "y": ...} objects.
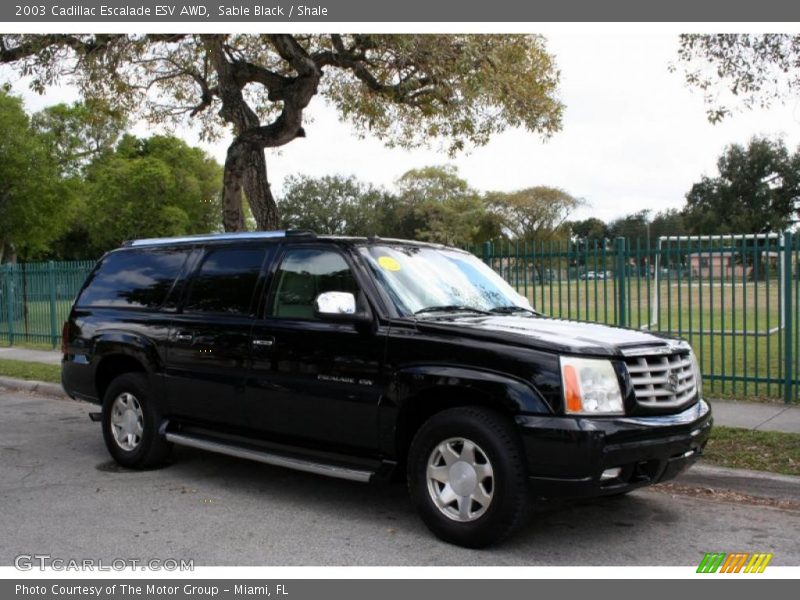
[
  {"x": 53, "y": 390},
  {"x": 754, "y": 483}
]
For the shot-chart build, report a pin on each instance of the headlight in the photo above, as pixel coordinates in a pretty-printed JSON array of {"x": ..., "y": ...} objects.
[
  {"x": 590, "y": 386},
  {"x": 698, "y": 378}
]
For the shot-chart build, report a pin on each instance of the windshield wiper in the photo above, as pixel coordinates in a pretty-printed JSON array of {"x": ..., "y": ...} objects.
[
  {"x": 451, "y": 308},
  {"x": 510, "y": 309}
]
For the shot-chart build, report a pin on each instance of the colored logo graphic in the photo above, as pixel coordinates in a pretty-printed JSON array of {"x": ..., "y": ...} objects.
[{"x": 737, "y": 562}]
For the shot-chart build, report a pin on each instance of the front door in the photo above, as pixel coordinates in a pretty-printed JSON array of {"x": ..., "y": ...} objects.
[{"x": 312, "y": 379}]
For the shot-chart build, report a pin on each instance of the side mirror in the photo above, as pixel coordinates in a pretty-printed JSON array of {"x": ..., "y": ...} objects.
[{"x": 339, "y": 306}]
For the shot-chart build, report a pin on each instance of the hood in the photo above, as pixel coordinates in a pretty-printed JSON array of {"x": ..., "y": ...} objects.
[{"x": 550, "y": 334}]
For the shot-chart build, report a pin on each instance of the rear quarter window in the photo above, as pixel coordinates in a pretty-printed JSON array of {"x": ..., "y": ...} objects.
[{"x": 133, "y": 278}]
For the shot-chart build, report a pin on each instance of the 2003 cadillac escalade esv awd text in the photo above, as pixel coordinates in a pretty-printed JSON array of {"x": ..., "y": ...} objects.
[{"x": 363, "y": 358}]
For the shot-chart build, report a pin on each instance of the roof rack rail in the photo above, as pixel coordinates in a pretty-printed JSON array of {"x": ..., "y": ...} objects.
[{"x": 206, "y": 237}]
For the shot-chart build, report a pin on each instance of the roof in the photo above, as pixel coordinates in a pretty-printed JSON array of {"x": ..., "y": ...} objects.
[{"x": 262, "y": 235}]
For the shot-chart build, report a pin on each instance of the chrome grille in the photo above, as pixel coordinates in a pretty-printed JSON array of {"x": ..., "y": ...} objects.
[{"x": 663, "y": 381}]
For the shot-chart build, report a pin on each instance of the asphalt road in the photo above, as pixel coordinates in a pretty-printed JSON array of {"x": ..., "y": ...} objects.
[{"x": 61, "y": 495}]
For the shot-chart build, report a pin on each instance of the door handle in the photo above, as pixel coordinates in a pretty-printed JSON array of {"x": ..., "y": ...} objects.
[
  {"x": 264, "y": 342},
  {"x": 183, "y": 336}
]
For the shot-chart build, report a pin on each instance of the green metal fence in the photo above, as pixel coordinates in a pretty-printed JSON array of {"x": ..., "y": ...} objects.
[
  {"x": 734, "y": 298},
  {"x": 35, "y": 299}
]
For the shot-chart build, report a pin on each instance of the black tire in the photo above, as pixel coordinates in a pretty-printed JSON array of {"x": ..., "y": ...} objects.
[
  {"x": 152, "y": 449},
  {"x": 498, "y": 440}
]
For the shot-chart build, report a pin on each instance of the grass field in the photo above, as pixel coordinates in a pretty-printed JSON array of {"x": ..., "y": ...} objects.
[
  {"x": 734, "y": 327},
  {"x": 30, "y": 370},
  {"x": 758, "y": 450}
]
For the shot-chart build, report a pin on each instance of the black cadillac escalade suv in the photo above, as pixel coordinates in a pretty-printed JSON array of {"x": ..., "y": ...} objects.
[{"x": 359, "y": 358}]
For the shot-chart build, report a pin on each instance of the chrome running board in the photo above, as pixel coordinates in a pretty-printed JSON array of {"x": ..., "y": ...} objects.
[{"x": 270, "y": 458}]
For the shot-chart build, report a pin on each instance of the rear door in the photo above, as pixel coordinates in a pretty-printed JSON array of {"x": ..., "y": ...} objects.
[{"x": 208, "y": 348}]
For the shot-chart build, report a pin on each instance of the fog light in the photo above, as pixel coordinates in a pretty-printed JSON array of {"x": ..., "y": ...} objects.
[{"x": 610, "y": 473}]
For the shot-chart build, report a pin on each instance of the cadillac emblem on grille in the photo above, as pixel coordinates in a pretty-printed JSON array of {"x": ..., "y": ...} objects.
[{"x": 672, "y": 381}]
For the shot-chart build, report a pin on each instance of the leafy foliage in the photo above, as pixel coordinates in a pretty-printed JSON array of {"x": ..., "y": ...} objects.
[
  {"x": 35, "y": 203},
  {"x": 333, "y": 204},
  {"x": 756, "y": 70},
  {"x": 456, "y": 90},
  {"x": 151, "y": 187},
  {"x": 754, "y": 192},
  {"x": 535, "y": 212}
]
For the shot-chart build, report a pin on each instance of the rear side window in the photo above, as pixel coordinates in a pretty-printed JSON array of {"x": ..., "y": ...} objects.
[
  {"x": 225, "y": 281},
  {"x": 133, "y": 278}
]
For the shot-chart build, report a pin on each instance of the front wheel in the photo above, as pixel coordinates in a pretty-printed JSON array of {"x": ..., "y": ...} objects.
[
  {"x": 130, "y": 423},
  {"x": 467, "y": 476}
]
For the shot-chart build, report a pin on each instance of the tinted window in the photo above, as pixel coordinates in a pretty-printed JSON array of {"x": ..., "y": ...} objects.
[
  {"x": 226, "y": 281},
  {"x": 134, "y": 278},
  {"x": 303, "y": 275}
]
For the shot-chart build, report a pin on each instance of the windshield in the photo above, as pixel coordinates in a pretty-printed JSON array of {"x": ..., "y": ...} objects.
[{"x": 420, "y": 279}]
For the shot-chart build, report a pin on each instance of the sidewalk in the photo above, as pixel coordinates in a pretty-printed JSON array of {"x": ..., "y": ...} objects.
[
  {"x": 50, "y": 357},
  {"x": 760, "y": 416}
]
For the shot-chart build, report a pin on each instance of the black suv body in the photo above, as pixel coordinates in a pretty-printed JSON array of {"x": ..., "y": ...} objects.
[{"x": 316, "y": 353}]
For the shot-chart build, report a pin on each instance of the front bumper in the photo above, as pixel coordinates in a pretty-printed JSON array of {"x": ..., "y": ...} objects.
[{"x": 567, "y": 456}]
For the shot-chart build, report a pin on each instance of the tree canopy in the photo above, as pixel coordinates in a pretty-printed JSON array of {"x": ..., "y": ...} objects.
[
  {"x": 535, "y": 212},
  {"x": 755, "y": 70},
  {"x": 407, "y": 89},
  {"x": 35, "y": 203},
  {"x": 157, "y": 186},
  {"x": 332, "y": 204},
  {"x": 754, "y": 192}
]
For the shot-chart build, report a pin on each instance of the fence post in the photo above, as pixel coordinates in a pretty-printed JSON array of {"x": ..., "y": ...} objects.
[
  {"x": 487, "y": 253},
  {"x": 9, "y": 299},
  {"x": 620, "y": 275},
  {"x": 788, "y": 347},
  {"x": 51, "y": 283}
]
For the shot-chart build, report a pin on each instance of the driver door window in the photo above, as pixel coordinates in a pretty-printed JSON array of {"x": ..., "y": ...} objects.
[{"x": 304, "y": 274}]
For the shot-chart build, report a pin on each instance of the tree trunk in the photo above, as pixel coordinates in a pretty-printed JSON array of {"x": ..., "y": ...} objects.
[
  {"x": 259, "y": 191},
  {"x": 246, "y": 171}
]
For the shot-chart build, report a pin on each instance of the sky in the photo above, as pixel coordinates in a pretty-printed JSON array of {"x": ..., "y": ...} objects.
[{"x": 634, "y": 136}]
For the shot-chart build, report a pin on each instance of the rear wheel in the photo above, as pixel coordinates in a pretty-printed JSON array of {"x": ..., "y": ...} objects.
[
  {"x": 130, "y": 423},
  {"x": 467, "y": 477}
]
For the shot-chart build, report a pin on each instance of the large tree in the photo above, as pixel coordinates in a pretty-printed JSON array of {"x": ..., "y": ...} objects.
[
  {"x": 435, "y": 204},
  {"x": 755, "y": 191},
  {"x": 333, "y": 204},
  {"x": 407, "y": 89},
  {"x": 35, "y": 203},
  {"x": 533, "y": 213},
  {"x": 151, "y": 187},
  {"x": 754, "y": 70}
]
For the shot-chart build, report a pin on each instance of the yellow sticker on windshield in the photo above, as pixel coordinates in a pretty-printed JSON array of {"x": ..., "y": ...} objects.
[{"x": 388, "y": 263}]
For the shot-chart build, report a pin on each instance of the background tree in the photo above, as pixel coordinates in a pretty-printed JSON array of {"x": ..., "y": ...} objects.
[
  {"x": 150, "y": 187},
  {"x": 333, "y": 204},
  {"x": 589, "y": 229},
  {"x": 533, "y": 213},
  {"x": 407, "y": 89},
  {"x": 78, "y": 133},
  {"x": 434, "y": 204},
  {"x": 754, "y": 192},
  {"x": 35, "y": 203},
  {"x": 632, "y": 226},
  {"x": 756, "y": 70}
]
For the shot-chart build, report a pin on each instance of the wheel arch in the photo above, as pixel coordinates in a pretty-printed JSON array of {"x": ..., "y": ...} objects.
[
  {"x": 118, "y": 353},
  {"x": 417, "y": 393}
]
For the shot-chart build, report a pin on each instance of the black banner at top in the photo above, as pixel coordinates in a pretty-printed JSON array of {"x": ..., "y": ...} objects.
[{"x": 360, "y": 11}]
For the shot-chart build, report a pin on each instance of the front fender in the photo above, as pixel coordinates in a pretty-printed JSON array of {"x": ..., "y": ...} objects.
[{"x": 512, "y": 395}]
